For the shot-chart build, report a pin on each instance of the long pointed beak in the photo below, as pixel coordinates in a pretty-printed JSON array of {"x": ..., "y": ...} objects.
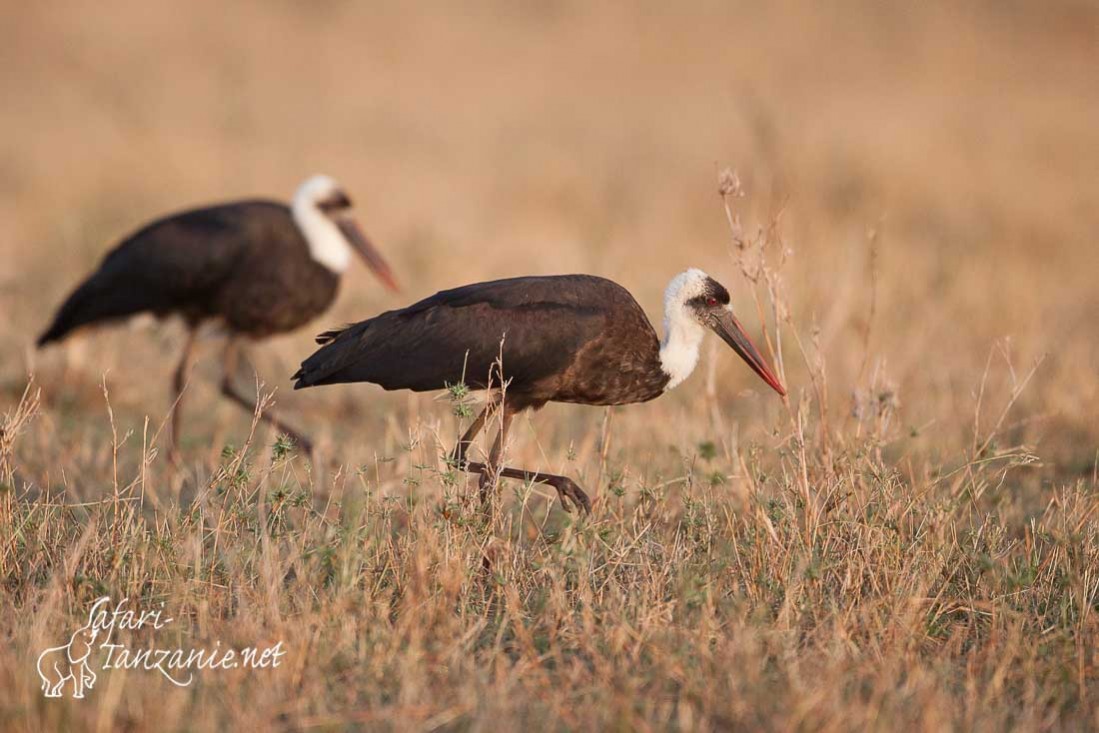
[
  {"x": 731, "y": 332},
  {"x": 370, "y": 254}
]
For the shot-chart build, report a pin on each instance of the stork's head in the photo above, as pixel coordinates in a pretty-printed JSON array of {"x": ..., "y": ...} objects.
[
  {"x": 693, "y": 303},
  {"x": 323, "y": 211}
]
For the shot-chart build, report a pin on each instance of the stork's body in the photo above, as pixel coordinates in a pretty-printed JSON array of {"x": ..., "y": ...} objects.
[
  {"x": 570, "y": 338},
  {"x": 245, "y": 263},
  {"x": 256, "y": 267}
]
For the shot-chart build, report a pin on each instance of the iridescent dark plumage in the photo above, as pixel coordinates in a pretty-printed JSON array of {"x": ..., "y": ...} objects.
[
  {"x": 256, "y": 267},
  {"x": 568, "y": 338},
  {"x": 245, "y": 263}
]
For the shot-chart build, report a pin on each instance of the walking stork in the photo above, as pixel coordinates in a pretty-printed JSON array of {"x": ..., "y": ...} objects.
[
  {"x": 258, "y": 267},
  {"x": 567, "y": 338}
]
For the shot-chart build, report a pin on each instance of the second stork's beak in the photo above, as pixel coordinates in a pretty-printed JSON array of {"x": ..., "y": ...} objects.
[
  {"x": 370, "y": 254},
  {"x": 725, "y": 325}
]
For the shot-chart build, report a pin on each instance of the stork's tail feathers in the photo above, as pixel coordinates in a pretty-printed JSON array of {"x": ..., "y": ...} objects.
[
  {"x": 55, "y": 332},
  {"x": 71, "y": 315},
  {"x": 328, "y": 337},
  {"x": 327, "y": 361},
  {"x": 97, "y": 300},
  {"x": 307, "y": 375}
]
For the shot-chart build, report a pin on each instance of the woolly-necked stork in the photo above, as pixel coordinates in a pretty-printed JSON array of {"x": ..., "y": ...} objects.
[
  {"x": 258, "y": 267},
  {"x": 568, "y": 338}
]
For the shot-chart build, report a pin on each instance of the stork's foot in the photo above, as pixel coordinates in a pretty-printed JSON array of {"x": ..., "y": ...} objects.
[{"x": 569, "y": 491}]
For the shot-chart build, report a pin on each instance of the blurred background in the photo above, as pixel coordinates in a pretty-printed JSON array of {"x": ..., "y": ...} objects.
[{"x": 958, "y": 142}]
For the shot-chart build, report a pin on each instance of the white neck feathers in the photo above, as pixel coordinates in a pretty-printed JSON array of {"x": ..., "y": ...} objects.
[
  {"x": 680, "y": 347},
  {"x": 327, "y": 244},
  {"x": 682, "y": 332}
]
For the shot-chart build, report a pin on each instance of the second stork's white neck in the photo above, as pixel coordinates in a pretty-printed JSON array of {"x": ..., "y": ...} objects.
[
  {"x": 327, "y": 245},
  {"x": 682, "y": 331}
]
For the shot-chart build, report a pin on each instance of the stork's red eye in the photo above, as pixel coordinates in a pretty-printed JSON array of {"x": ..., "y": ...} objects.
[{"x": 711, "y": 301}]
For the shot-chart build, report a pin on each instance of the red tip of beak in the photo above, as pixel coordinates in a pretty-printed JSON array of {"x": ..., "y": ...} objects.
[
  {"x": 389, "y": 281},
  {"x": 769, "y": 377},
  {"x": 735, "y": 335}
]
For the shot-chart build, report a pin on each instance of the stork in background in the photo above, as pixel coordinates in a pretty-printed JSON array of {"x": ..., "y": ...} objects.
[
  {"x": 257, "y": 267},
  {"x": 565, "y": 338}
]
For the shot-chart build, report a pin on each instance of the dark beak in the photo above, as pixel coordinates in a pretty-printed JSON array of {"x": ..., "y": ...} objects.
[
  {"x": 731, "y": 332},
  {"x": 371, "y": 256}
]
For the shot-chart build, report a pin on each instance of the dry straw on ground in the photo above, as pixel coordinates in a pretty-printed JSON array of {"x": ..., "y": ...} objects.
[{"x": 910, "y": 542}]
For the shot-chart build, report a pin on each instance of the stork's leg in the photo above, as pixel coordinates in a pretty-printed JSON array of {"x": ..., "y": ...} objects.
[
  {"x": 488, "y": 476},
  {"x": 566, "y": 487},
  {"x": 230, "y": 390},
  {"x": 458, "y": 455},
  {"x": 179, "y": 382}
]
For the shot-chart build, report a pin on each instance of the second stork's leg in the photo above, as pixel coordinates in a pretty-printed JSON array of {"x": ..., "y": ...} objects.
[
  {"x": 567, "y": 489},
  {"x": 458, "y": 455},
  {"x": 230, "y": 390},
  {"x": 488, "y": 474},
  {"x": 179, "y": 382}
]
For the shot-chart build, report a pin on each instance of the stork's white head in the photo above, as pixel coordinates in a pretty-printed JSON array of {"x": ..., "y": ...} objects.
[
  {"x": 692, "y": 285},
  {"x": 318, "y": 189},
  {"x": 693, "y": 303},
  {"x": 322, "y": 210}
]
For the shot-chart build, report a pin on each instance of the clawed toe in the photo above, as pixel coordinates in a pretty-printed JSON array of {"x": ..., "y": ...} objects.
[{"x": 567, "y": 491}]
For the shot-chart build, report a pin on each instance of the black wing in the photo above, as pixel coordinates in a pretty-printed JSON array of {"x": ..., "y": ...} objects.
[
  {"x": 171, "y": 264},
  {"x": 536, "y": 324}
]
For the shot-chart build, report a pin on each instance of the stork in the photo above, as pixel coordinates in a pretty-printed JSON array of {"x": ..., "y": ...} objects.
[
  {"x": 566, "y": 338},
  {"x": 257, "y": 267}
]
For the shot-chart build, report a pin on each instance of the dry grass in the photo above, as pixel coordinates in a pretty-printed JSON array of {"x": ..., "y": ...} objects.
[{"x": 909, "y": 542}]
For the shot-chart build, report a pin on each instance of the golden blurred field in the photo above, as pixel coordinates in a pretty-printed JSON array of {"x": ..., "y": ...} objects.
[{"x": 910, "y": 542}]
